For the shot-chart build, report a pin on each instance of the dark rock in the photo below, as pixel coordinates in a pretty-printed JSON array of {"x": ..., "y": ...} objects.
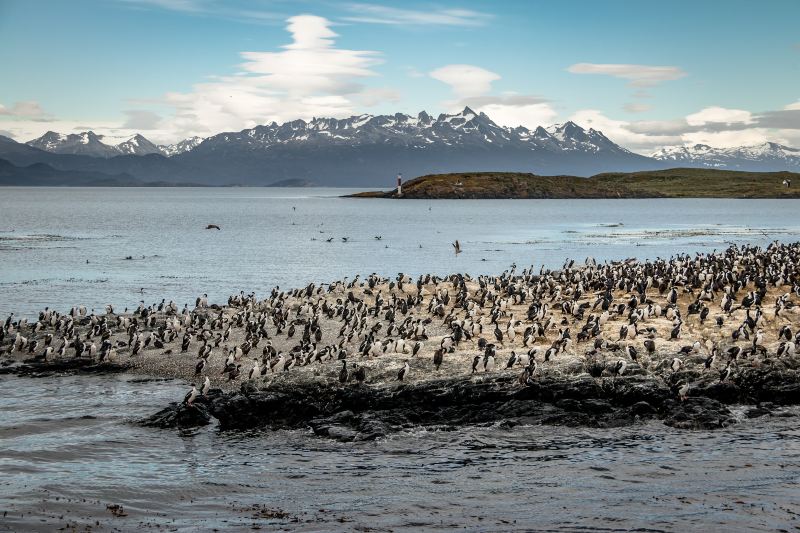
[
  {"x": 697, "y": 413},
  {"x": 179, "y": 416},
  {"x": 363, "y": 412},
  {"x": 37, "y": 368},
  {"x": 643, "y": 409}
]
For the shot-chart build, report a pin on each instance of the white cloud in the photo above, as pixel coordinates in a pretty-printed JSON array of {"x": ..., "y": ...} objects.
[
  {"x": 719, "y": 115},
  {"x": 309, "y": 77},
  {"x": 793, "y": 107},
  {"x": 637, "y": 107},
  {"x": 378, "y": 14},
  {"x": 471, "y": 84},
  {"x": 378, "y": 95},
  {"x": 620, "y": 131},
  {"x": 638, "y": 75},
  {"x": 465, "y": 80},
  {"x": 727, "y": 139},
  {"x": 186, "y": 6},
  {"x": 141, "y": 119},
  {"x": 24, "y": 109},
  {"x": 217, "y": 9},
  {"x": 530, "y": 115}
]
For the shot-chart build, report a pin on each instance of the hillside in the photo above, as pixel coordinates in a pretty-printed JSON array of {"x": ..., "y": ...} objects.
[
  {"x": 43, "y": 175},
  {"x": 671, "y": 183}
]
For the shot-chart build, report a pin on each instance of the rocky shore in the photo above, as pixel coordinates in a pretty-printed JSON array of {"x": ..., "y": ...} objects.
[
  {"x": 697, "y": 341},
  {"x": 365, "y": 413}
]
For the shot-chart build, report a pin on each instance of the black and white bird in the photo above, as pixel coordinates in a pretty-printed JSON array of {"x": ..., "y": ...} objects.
[
  {"x": 205, "y": 387},
  {"x": 632, "y": 353},
  {"x": 255, "y": 371},
  {"x": 191, "y": 396},
  {"x": 404, "y": 372},
  {"x": 475, "y": 362},
  {"x": 438, "y": 357},
  {"x": 360, "y": 374},
  {"x": 683, "y": 392},
  {"x": 343, "y": 374}
]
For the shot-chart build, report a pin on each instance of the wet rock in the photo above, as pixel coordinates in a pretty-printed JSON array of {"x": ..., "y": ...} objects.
[
  {"x": 33, "y": 368},
  {"x": 643, "y": 409},
  {"x": 757, "y": 412},
  {"x": 697, "y": 413},
  {"x": 180, "y": 416},
  {"x": 367, "y": 412}
]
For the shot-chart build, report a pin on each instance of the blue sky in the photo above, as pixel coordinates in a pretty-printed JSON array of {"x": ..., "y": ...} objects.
[{"x": 648, "y": 74}]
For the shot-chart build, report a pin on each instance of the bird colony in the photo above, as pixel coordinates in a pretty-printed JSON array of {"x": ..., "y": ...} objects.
[{"x": 713, "y": 314}]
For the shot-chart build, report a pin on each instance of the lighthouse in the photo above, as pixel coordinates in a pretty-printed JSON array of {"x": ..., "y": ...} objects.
[{"x": 399, "y": 185}]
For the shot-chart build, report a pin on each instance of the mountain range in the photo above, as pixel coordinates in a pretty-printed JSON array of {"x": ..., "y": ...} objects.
[{"x": 368, "y": 151}]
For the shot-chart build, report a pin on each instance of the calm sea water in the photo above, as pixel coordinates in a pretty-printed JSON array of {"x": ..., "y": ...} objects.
[
  {"x": 69, "y": 450},
  {"x": 61, "y": 247},
  {"x": 68, "y": 447}
]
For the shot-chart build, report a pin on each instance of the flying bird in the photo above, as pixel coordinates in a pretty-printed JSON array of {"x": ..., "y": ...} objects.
[{"x": 213, "y": 226}]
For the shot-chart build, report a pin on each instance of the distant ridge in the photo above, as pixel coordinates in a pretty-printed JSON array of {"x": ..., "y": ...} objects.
[{"x": 368, "y": 151}]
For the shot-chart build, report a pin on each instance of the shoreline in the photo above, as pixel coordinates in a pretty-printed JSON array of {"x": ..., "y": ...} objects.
[
  {"x": 670, "y": 183},
  {"x": 588, "y": 376}
]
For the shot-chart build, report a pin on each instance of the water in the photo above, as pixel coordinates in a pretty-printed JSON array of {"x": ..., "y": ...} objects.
[
  {"x": 68, "y": 447},
  {"x": 59, "y": 467},
  {"x": 275, "y": 237}
]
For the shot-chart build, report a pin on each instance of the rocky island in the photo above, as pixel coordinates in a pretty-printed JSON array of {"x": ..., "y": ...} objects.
[
  {"x": 682, "y": 339},
  {"x": 671, "y": 183}
]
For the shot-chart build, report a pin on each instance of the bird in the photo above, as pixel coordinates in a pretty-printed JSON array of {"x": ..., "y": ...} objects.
[
  {"x": 255, "y": 372},
  {"x": 191, "y": 396},
  {"x": 512, "y": 359},
  {"x": 676, "y": 364},
  {"x": 725, "y": 373},
  {"x": 212, "y": 226},
  {"x": 343, "y": 374},
  {"x": 619, "y": 367},
  {"x": 683, "y": 392},
  {"x": 206, "y": 387},
  {"x": 404, "y": 372},
  {"x": 438, "y": 357},
  {"x": 632, "y": 353},
  {"x": 457, "y": 247},
  {"x": 360, "y": 374}
]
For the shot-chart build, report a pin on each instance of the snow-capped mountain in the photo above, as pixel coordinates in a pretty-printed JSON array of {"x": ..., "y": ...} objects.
[
  {"x": 85, "y": 143},
  {"x": 185, "y": 145},
  {"x": 137, "y": 145},
  {"x": 369, "y": 150},
  {"x": 359, "y": 149},
  {"x": 464, "y": 129},
  {"x": 763, "y": 157},
  {"x": 91, "y": 144}
]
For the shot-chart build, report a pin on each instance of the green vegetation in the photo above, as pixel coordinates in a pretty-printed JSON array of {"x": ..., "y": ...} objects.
[{"x": 672, "y": 183}]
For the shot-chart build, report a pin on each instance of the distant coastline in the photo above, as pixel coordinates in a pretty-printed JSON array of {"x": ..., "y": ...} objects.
[{"x": 671, "y": 183}]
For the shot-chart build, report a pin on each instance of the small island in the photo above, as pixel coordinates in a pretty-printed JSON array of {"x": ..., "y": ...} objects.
[{"x": 671, "y": 183}]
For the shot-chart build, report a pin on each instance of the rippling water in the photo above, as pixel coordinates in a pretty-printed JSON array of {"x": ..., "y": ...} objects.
[
  {"x": 68, "y": 447},
  {"x": 69, "y": 450},
  {"x": 278, "y": 237}
]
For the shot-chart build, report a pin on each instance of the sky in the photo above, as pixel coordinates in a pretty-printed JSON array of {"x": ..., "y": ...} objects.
[{"x": 647, "y": 74}]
